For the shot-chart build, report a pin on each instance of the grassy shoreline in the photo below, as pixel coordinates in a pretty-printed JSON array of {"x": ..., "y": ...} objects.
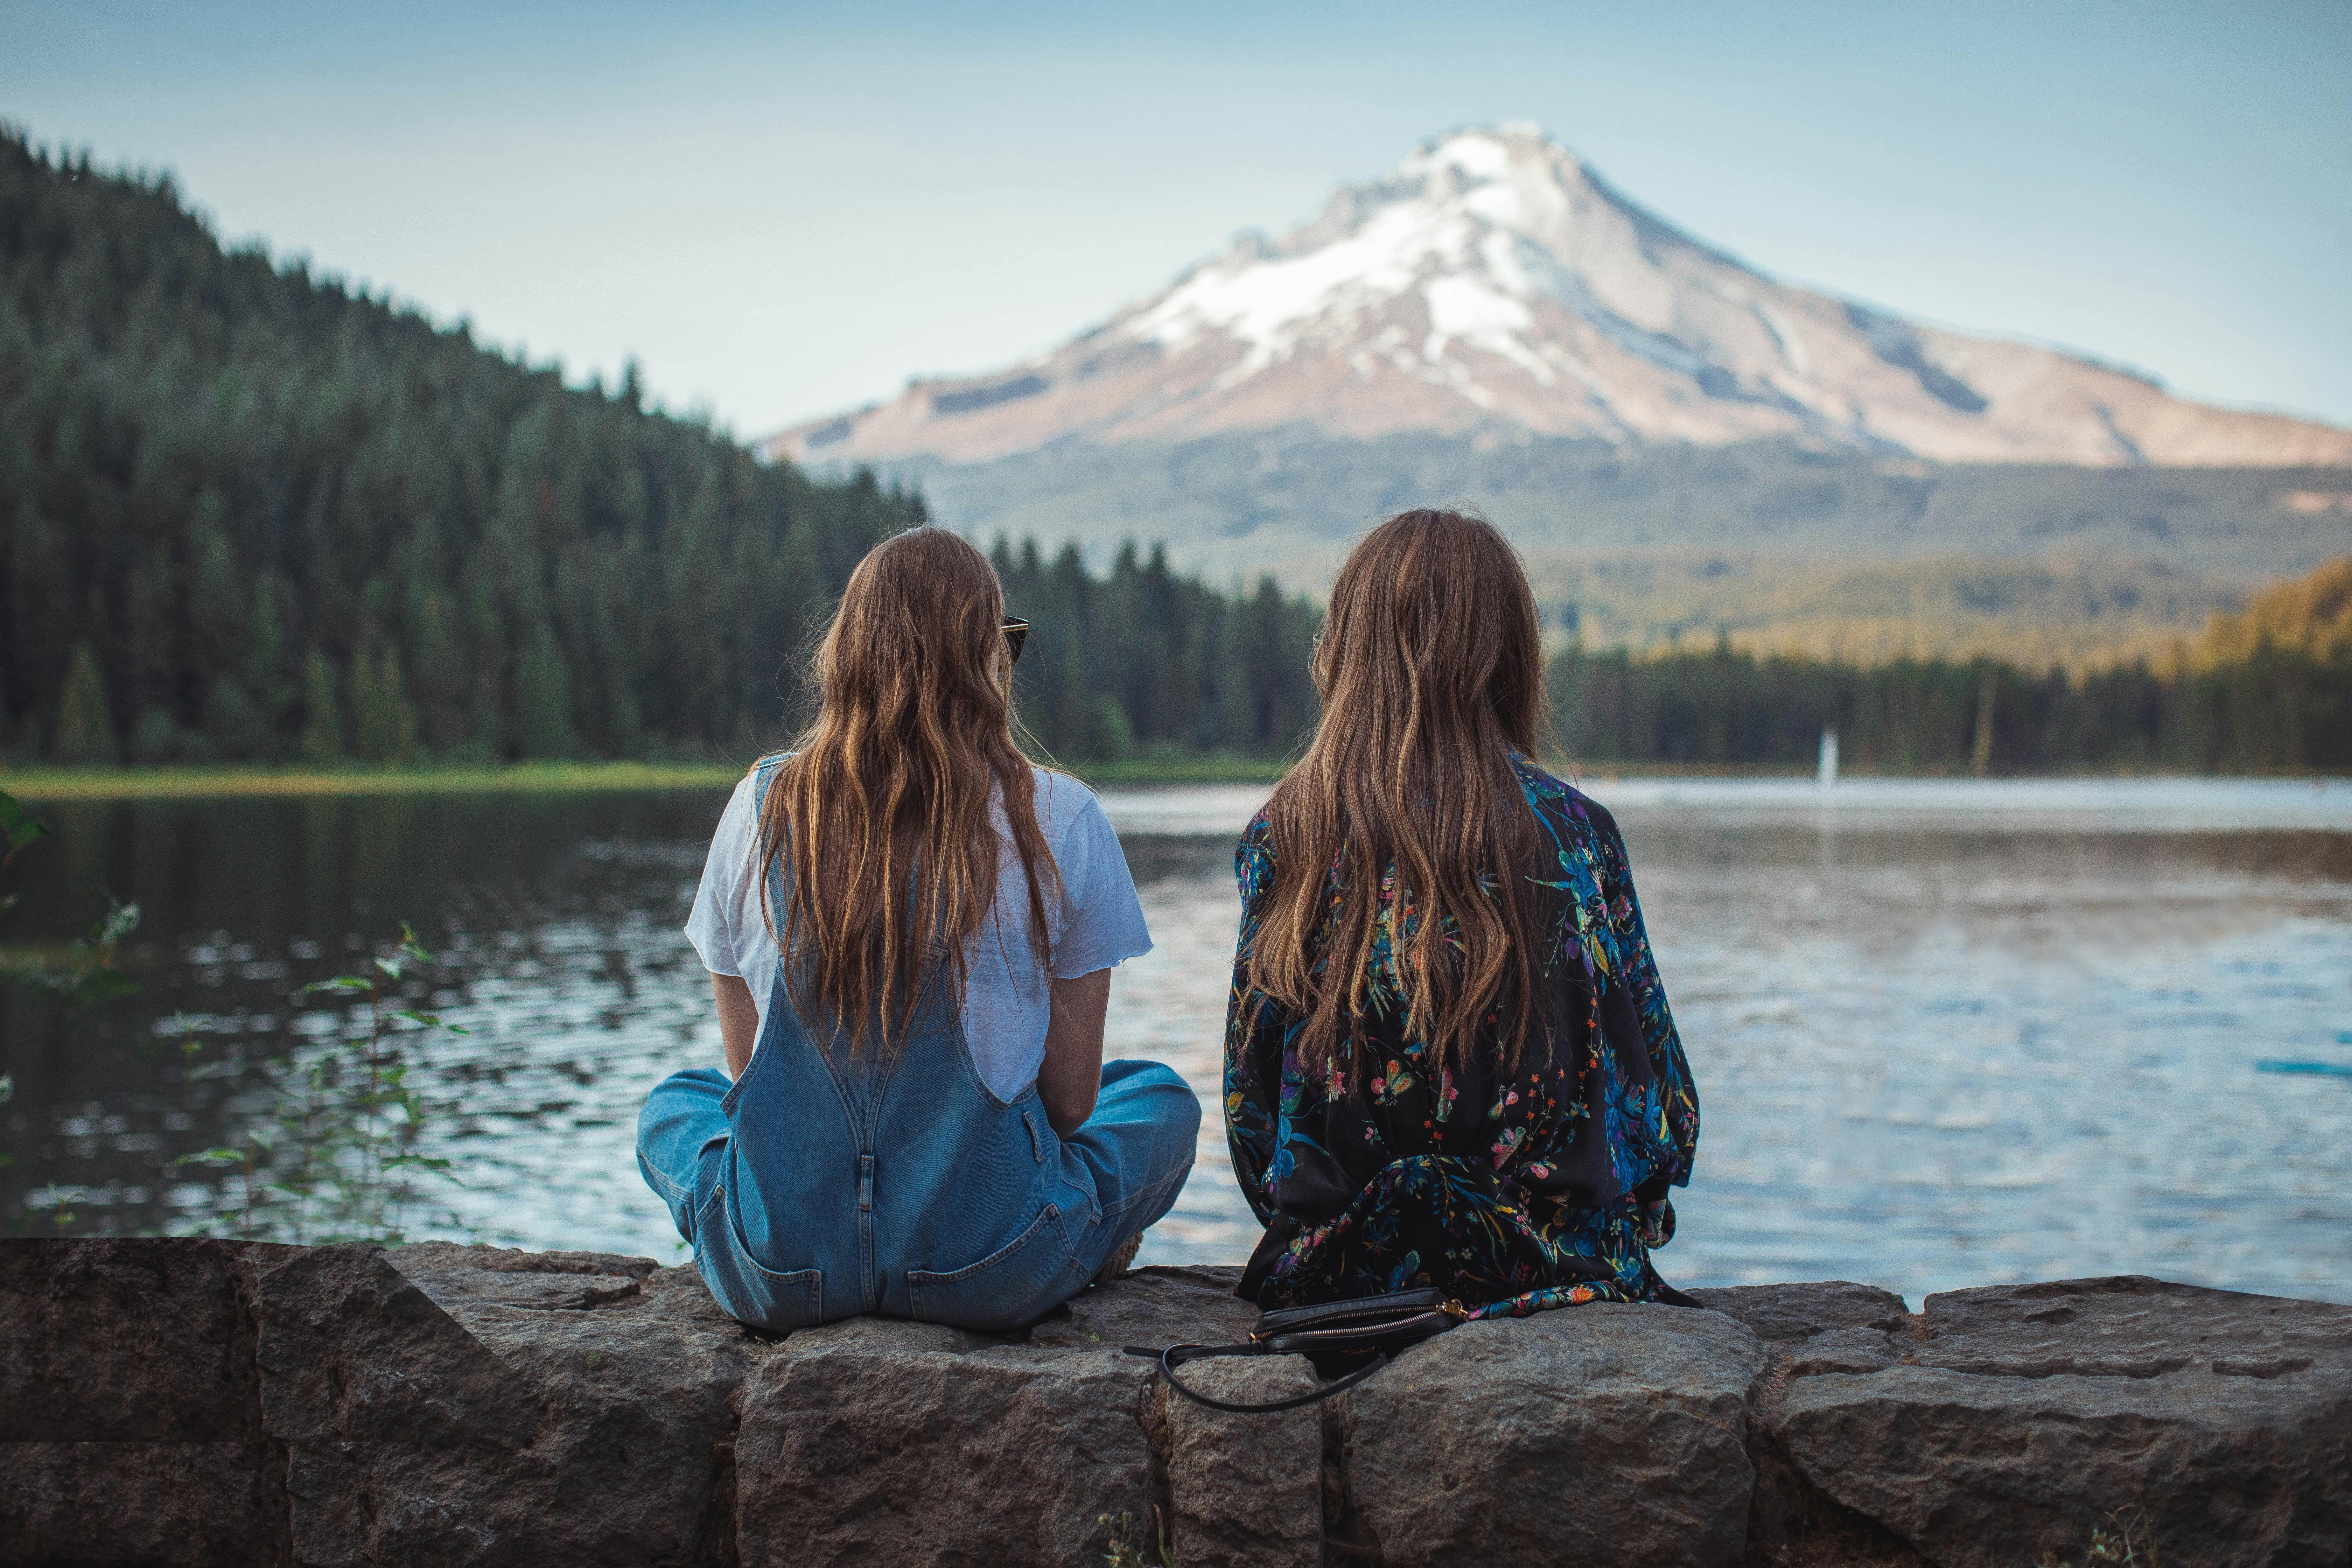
[
  {"x": 165, "y": 783},
  {"x": 47, "y": 784},
  {"x": 542, "y": 778}
]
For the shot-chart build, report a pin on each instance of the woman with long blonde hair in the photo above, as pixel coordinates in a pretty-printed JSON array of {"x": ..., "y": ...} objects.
[
  {"x": 1448, "y": 1060},
  {"x": 911, "y": 932}
]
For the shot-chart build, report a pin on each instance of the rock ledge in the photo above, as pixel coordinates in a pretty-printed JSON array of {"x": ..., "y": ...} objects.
[{"x": 207, "y": 1402}]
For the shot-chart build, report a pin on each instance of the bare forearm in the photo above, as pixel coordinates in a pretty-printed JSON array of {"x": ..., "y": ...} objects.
[
  {"x": 1071, "y": 1075},
  {"x": 739, "y": 1020}
]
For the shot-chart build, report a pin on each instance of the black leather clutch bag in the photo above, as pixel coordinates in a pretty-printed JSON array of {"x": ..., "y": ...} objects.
[{"x": 1379, "y": 1326}]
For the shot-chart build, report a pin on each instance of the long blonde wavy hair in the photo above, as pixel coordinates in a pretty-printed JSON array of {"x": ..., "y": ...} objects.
[
  {"x": 1430, "y": 667},
  {"x": 881, "y": 811}
]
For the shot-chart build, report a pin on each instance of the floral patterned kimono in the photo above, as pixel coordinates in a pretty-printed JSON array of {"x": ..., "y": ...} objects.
[{"x": 1541, "y": 1188}]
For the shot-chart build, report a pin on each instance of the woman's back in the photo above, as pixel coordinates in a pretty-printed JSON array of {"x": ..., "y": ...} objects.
[
  {"x": 1092, "y": 922},
  {"x": 1448, "y": 1058},
  {"x": 960, "y": 1187},
  {"x": 1494, "y": 1179},
  {"x": 910, "y": 932}
]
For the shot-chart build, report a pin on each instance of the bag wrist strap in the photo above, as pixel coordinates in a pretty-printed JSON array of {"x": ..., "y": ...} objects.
[{"x": 1175, "y": 1356}]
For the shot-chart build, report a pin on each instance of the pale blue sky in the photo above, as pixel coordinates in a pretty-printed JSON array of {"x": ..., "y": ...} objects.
[{"x": 789, "y": 209}]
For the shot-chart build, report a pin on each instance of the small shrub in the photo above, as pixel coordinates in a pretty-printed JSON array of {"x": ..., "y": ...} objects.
[
  {"x": 1125, "y": 1550},
  {"x": 2128, "y": 1538}
]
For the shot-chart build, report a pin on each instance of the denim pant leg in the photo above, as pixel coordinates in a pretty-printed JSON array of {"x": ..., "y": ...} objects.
[
  {"x": 1139, "y": 1143},
  {"x": 682, "y": 1141}
]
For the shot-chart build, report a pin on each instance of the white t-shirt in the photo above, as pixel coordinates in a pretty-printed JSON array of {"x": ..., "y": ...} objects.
[{"x": 1007, "y": 999}]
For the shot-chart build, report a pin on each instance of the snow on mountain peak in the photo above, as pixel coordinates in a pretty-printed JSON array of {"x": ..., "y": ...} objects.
[
  {"x": 1492, "y": 279},
  {"x": 1468, "y": 227}
]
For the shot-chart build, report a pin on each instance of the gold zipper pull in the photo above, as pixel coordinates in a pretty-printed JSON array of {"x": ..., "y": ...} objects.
[{"x": 1455, "y": 1311}]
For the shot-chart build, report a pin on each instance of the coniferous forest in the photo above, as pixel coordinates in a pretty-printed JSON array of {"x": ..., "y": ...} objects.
[
  {"x": 248, "y": 514},
  {"x": 2267, "y": 689},
  {"x": 2276, "y": 710}
]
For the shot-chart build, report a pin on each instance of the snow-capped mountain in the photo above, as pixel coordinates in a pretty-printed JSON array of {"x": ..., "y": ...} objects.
[{"x": 1492, "y": 281}]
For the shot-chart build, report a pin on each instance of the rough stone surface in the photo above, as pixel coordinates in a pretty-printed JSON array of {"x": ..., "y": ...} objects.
[
  {"x": 1154, "y": 1307},
  {"x": 193, "y": 1383},
  {"x": 496, "y": 1433},
  {"x": 200, "y": 1403},
  {"x": 130, "y": 1407},
  {"x": 1603, "y": 1432},
  {"x": 1246, "y": 1492},
  {"x": 143, "y": 1505},
  {"x": 876, "y": 1441},
  {"x": 2021, "y": 1415},
  {"x": 1782, "y": 1314}
]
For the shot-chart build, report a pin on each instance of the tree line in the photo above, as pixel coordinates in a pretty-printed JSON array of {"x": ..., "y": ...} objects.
[
  {"x": 2265, "y": 690},
  {"x": 249, "y": 514},
  {"x": 1141, "y": 659}
]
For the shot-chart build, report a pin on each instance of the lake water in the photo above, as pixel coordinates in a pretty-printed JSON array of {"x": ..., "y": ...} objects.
[{"x": 1944, "y": 1033}]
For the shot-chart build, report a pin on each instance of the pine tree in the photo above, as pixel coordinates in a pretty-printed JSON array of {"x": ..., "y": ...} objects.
[
  {"x": 322, "y": 713},
  {"x": 85, "y": 724},
  {"x": 543, "y": 697},
  {"x": 1113, "y": 740},
  {"x": 234, "y": 723},
  {"x": 383, "y": 725},
  {"x": 439, "y": 689},
  {"x": 218, "y": 618},
  {"x": 264, "y": 675}
]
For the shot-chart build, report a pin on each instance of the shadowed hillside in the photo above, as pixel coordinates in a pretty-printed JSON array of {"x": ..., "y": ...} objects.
[{"x": 248, "y": 514}]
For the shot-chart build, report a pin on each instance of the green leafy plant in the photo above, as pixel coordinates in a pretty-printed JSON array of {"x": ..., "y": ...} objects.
[
  {"x": 336, "y": 1157},
  {"x": 1127, "y": 1546},
  {"x": 2128, "y": 1538},
  {"x": 89, "y": 977},
  {"x": 17, "y": 831},
  {"x": 58, "y": 1211}
]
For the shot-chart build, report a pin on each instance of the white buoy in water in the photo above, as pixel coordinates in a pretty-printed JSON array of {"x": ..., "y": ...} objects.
[{"x": 1826, "y": 774}]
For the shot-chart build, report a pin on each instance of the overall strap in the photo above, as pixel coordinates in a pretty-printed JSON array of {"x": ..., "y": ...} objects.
[{"x": 764, "y": 774}]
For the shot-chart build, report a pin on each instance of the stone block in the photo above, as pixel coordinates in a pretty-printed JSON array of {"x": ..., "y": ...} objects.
[
  {"x": 2023, "y": 1416},
  {"x": 1157, "y": 1307},
  {"x": 129, "y": 1406},
  {"x": 586, "y": 1428},
  {"x": 1602, "y": 1432},
  {"x": 1781, "y": 1314},
  {"x": 143, "y": 1505},
  {"x": 135, "y": 1340},
  {"x": 1246, "y": 1492},
  {"x": 874, "y": 1441}
]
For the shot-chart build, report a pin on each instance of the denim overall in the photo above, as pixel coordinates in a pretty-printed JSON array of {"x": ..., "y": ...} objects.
[{"x": 823, "y": 1183}]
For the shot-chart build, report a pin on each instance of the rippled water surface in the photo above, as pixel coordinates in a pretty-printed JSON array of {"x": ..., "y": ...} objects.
[{"x": 1943, "y": 1034}]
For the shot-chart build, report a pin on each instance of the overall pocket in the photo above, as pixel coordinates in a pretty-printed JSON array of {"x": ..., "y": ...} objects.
[
  {"x": 750, "y": 1291},
  {"x": 1010, "y": 1285}
]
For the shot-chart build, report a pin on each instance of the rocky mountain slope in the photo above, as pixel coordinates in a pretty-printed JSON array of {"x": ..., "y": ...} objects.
[{"x": 1494, "y": 283}]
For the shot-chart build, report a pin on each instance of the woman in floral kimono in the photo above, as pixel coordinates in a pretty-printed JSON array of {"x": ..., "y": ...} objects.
[{"x": 1448, "y": 1058}]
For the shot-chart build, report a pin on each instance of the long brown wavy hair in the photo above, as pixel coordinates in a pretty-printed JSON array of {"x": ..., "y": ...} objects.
[
  {"x": 881, "y": 812},
  {"x": 1430, "y": 667}
]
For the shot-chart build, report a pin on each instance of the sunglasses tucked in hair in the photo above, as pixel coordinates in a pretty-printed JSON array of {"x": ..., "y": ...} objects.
[{"x": 1016, "y": 637}]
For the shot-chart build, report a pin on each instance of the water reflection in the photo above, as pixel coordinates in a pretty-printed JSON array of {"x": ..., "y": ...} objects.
[{"x": 1943, "y": 1037}]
